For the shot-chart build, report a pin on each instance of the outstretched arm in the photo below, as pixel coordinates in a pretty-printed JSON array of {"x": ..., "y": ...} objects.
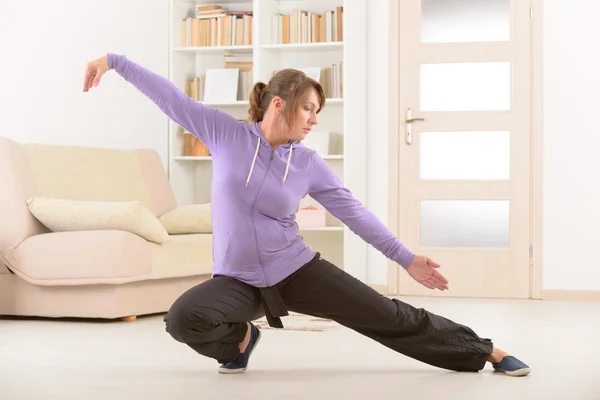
[
  {"x": 211, "y": 126},
  {"x": 326, "y": 188}
]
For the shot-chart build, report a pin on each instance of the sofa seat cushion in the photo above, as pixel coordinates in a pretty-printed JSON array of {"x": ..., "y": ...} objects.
[
  {"x": 182, "y": 255},
  {"x": 87, "y": 257},
  {"x": 188, "y": 219},
  {"x": 61, "y": 215},
  {"x": 109, "y": 257}
]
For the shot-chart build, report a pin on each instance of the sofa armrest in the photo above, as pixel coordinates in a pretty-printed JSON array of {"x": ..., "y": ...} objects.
[
  {"x": 3, "y": 269},
  {"x": 189, "y": 219}
]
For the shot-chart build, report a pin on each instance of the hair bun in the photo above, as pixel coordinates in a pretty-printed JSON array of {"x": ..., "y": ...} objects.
[{"x": 256, "y": 110}]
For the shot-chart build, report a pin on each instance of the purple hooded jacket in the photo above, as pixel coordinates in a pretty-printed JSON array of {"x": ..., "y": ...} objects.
[{"x": 256, "y": 189}]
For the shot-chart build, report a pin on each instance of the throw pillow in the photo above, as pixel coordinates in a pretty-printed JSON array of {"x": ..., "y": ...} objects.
[{"x": 60, "y": 215}]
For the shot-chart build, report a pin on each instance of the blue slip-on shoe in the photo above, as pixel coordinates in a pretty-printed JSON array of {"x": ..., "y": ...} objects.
[
  {"x": 240, "y": 364},
  {"x": 512, "y": 366}
]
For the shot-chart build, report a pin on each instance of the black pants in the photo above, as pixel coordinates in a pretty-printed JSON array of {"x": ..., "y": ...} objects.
[{"x": 211, "y": 317}]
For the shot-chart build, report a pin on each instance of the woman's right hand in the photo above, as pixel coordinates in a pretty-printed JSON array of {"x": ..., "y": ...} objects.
[
  {"x": 94, "y": 71},
  {"x": 424, "y": 270}
]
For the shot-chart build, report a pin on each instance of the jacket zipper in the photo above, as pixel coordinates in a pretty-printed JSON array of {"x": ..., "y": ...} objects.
[{"x": 254, "y": 207}]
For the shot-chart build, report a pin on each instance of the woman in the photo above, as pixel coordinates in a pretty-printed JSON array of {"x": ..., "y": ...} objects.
[{"x": 261, "y": 170}]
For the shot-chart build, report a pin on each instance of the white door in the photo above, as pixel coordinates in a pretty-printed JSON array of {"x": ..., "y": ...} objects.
[{"x": 464, "y": 145}]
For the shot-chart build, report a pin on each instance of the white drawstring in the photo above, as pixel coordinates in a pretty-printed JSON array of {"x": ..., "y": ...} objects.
[
  {"x": 253, "y": 162},
  {"x": 287, "y": 167}
]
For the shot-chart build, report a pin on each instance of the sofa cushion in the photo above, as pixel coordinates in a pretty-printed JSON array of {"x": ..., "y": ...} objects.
[
  {"x": 193, "y": 218},
  {"x": 60, "y": 215},
  {"x": 88, "y": 173},
  {"x": 156, "y": 180},
  {"x": 109, "y": 257},
  {"x": 77, "y": 258},
  {"x": 182, "y": 255}
]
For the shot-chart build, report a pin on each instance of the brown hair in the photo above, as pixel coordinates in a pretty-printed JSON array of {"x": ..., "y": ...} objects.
[{"x": 292, "y": 86}]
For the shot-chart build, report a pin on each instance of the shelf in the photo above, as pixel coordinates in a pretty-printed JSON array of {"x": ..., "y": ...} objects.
[
  {"x": 324, "y": 229},
  {"x": 213, "y": 49},
  {"x": 229, "y": 104},
  {"x": 208, "y": 158},
  {"x": 213, "y": 2},
  {"x": 192, "y": 158},
  {"x": 246, "y": 102},
  {"x": 320, "y": 46}
]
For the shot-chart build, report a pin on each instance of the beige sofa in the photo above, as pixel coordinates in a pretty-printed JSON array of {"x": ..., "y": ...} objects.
[{"x": 92, "y": 273}]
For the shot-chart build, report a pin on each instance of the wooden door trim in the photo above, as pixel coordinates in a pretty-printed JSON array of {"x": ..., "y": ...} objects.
[
  {"x": 394, "y": 130},
  {"x": 536, "y": 270},
  {"x": 574, "y": 295},
  {"x": 536, "y": 179}
]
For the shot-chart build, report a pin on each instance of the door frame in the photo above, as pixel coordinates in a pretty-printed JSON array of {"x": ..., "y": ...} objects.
[{"x": 536, "y": 175}]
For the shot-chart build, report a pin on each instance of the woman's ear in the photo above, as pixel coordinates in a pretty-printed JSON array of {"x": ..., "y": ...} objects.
[{"x": 278, "y": 105}]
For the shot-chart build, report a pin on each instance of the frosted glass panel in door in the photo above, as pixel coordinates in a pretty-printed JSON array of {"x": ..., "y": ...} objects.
[
  {"x": 478, "y": 86},
  {"x": 465, "y": 155},
  {"x": 465, "y": 223},
  {"x": 453, "y": 21}
]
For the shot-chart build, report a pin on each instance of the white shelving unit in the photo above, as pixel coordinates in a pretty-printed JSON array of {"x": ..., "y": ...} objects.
[{"x": 344, "y": 117}]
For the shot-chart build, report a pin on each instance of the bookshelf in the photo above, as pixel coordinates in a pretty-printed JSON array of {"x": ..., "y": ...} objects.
[{"x": 260, "y": 37}]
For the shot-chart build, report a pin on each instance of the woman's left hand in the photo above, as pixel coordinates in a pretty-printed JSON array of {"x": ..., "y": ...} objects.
[
  {"x": 424, "y": 270},
  {"x": 93, "y": 73}
]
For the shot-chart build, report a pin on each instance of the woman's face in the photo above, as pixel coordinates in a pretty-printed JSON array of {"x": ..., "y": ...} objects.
[{"x": 306, "y": 117}]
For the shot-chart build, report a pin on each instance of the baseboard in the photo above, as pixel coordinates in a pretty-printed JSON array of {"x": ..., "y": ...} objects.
[
  {"x": 579, "y": 295},
  {"x": 586, "y": 295},
  {"x": 380, "y": 288}
]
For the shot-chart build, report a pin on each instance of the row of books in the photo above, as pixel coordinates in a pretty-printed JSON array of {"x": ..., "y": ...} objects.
[
  {"x": 235, "y": 82},
  {"x": 223, "y": 85},
  {"x": 332, "y": 81},
  {"x": 308, "y": 27},
  {"x": 331, "y": 78},
  {"x": 217, "y": 27}
]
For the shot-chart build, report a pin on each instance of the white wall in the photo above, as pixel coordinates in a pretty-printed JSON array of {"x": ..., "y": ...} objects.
[
  {"x": 571, "y": 145},
  {"x": 45, "y": 47},
  {"x": 571, "y": 142}
]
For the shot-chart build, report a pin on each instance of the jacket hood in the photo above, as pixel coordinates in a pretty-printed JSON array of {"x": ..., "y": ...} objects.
[{"x": 254, "y": 128}]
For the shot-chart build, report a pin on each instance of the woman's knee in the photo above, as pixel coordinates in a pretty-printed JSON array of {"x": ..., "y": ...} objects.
[{"x": 186, "y": 324}]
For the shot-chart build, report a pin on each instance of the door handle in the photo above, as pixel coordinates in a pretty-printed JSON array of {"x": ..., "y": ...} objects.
[{"x": 409, "y": 125}]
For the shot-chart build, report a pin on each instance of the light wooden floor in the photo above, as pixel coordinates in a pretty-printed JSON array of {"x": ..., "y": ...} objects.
[{"x": 41, "y": 359}]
